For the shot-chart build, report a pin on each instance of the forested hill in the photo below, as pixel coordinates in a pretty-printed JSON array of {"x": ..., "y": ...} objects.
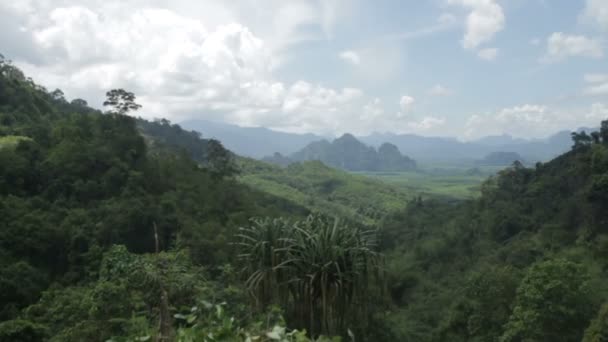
[
  {"x": 524, "y": 262},
  {"x": 350, "y": 154},
  {"x": 113, "y": 228},
  {"x": 76, "y": 185}
]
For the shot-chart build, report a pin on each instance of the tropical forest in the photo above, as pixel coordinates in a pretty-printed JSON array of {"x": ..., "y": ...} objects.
[{"x": 124, "y": 218}]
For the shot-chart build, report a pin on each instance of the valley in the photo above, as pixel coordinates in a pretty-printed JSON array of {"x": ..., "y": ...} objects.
[{"x": 303, "y": 171}]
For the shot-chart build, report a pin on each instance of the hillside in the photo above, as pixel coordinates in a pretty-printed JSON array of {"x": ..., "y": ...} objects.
[
  {"x": 199, "y": 244},
  {"x": 348, "y": 153},
  {"x": 92, "y": 211},
  {"x": 525, "y": 261},
  {"x": 320, "y": 188}
]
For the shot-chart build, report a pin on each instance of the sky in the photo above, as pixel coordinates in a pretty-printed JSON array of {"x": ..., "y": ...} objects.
[{"x": 463, "y": 68}]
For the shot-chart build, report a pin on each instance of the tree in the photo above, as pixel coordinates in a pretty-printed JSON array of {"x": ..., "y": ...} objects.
[
  {"x": 121, "y": 101},
  {"x": 604, "y": 132},
  {"x": 58, "y": 95},
  {"x": 552, "y": 304},
  {"x": 485, "y": 306},
  {"x": 580, "y": 140},
  {"x": 220, "y": 161},
  {"x": 598, "y": 329},
  {"x": 79, "y": 103},
  {"x": 319, "y": 268}
]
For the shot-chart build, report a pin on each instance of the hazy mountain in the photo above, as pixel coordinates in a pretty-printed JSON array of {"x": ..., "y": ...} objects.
[
  {"x": 500, "y": 140},
  {"x": 348, "y": 153},
  {"x": 255, "y": 142},
  {"x": 451, "y": 149},
  {"x": 501, "y": 159},
  {"x": 258, "y": 142}
]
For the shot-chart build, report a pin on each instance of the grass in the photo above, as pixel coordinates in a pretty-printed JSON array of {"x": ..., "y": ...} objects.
[{"x": 455, "y": 182}]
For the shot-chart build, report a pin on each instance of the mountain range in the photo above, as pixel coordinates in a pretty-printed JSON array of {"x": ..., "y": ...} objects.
[
  {"x": 255, "y": 142},
  {"x": 258, "y": 142},
  {"x": 348, "y": 153}
]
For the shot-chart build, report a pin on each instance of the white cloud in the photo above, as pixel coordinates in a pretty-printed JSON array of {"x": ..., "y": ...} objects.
[
  {"x": 488, "y": 54},
  {"x": 439, "y": 90},
  {"x": 373, "y": 110},
  {"x": 485, "y": 19},
  {"x": 180, "y": 67},
  {"x": 597, "y": 12},
  {"x": 531, "y": 121},
  {"x": 444, "y": 22},
  {"x": 597, "y": 89},
  {"x": 597, "y": 84},
  {"x": 350, "y": 56},
  {"x": 598, "y": 113},
  {"x": 426, "y": 123},
  {"x": 405, "y": 103},
  {"x": 596, "y": 78},
  {"x": 561, "y": 46}
]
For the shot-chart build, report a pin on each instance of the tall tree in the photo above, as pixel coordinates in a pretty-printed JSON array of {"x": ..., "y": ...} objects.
[
  {"x": 552, "y": 304},
  {"x": 121, "y": 101},
  {"x": 604, "y": 131}
]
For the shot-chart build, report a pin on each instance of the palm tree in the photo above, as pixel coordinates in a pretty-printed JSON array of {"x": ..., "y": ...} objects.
[{"x": 317, "y": 268}]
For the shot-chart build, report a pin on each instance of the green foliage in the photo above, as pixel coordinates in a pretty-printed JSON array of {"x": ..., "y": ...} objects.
[
  {"x": 323, "y": 189},
  {"x": 121, "y": 101},
  {"x": 11, "y": 141},
  {"x": 320, "y": 270},
  {"x": 598, "y": 329},
  {"x": 453, "y": 268},
  {"x": 86, "y": 198},
  {"x": 210, "y": 322},
  {"x": 427, "y": 182},
  {"x": 75, "y": 182},
  {"x": 552, "y": 304},
  {"x": 485, "y": 306},
  {"x": 19, "y": 330}
]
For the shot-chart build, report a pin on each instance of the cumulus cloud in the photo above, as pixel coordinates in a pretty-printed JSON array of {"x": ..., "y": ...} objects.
[
  {"x": 531, "y": 120},
  {"x": 426, "y": 123},
  {"x": 597, "y": 89},
  {"x": 561, "y": 46},
  {"x": 405, "y": 103},
  {"x": 597, "y": 84},
  {"x": 488, "y": 54},
  {"x": 598, "y": 112},
  {"x": 485, "y": 19},
  {"x": 439, "y": 90},
  {"x": 181, "y": 67},
  {"x": 350, "y": 56},
  {"x": 597, "y": 12},
  {"x": 373, "y": 110},
  {"x": 596, "y": 78},
  {"x": 444, "y": 22}
]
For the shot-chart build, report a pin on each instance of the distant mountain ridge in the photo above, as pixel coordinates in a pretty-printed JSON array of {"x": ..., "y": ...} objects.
[
  {"x": 451, "y": 149},
  {"x": 258, "y": 142},
  {"x": 348, "y": 153},
  {"x": 501, "y": 159},
  {"x": 255, "y": 142}
]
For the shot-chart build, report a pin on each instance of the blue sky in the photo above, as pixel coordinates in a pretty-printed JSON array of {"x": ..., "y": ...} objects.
[{"x": 464, "y": 68}]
